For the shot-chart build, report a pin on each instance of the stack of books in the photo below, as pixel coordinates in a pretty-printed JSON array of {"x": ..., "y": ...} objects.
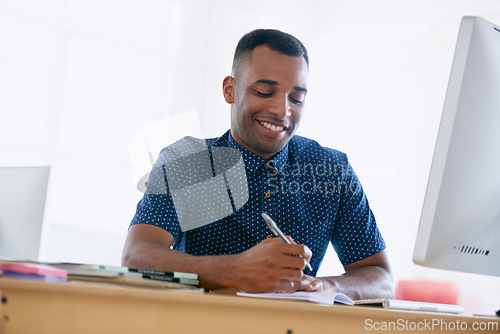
[
  {"x": 33, "y": 271},
  {"x": 128, "y": 276},
  {"x": 65, "y": 271}
]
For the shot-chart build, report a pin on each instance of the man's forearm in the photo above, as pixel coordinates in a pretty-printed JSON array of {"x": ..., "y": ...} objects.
[
  {"x": 266, "y": 267},
  {"x": 212, "y": 270}
]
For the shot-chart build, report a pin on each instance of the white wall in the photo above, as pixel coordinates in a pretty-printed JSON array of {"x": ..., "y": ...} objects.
[{"x": 79, "y": 78}]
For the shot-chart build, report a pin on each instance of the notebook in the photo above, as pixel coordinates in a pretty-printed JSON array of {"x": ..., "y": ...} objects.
[
  {"x": 315, "y": 297},
  {"x": 410, "y": 305}
]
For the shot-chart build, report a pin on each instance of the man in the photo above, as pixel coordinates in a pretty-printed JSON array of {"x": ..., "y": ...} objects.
[{"x": 310, "y": 191}]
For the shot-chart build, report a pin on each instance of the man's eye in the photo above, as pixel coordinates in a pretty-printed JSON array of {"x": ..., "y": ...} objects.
[
  {"x": 295, "y": 101},
  {"x": 263, "y": 94}
]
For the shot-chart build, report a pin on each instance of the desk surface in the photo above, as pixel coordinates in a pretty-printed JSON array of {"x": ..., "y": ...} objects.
[{"x": 81, "y": 307}]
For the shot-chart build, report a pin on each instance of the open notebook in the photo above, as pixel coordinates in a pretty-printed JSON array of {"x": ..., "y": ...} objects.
[
  {"x": 331, "y": 298},
  {"x": 316, "y": 297},
  {"x": 410, "y": 305}
]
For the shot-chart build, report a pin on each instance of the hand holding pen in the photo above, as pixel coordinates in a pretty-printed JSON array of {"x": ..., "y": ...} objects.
[{"x": 275, "y": 229}]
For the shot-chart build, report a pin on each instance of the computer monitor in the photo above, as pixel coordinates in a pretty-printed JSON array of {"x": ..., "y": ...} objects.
[
  {"x": 23, "y": 192},
  {"x": 460, "y": 221}
]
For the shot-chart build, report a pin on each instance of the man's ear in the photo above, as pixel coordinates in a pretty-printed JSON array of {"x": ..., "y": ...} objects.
[{"x": 229, "y": 89}]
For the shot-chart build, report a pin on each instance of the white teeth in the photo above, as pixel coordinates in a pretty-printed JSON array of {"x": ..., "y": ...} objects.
[{"x": 271, "y": 126}]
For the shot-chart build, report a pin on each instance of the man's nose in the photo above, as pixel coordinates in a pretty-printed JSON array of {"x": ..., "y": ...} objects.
[{"x": 281, "y": 107}]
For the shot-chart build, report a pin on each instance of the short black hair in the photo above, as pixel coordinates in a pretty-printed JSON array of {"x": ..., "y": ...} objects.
[{"x": 276, "y": 40}]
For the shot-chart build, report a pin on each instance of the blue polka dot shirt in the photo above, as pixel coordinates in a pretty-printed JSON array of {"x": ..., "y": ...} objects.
[{"x": 310, "y": 191}]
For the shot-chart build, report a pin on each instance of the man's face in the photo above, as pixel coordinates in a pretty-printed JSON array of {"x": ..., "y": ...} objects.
[{"x": 267, "y": 97}]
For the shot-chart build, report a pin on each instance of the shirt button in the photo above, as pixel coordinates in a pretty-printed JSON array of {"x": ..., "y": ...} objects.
[
  {"x": 267, "y": 165},
  {"x": 267, "y": 194}
]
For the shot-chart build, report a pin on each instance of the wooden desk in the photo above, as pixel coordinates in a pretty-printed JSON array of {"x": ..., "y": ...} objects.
[{"x": 37, "y": 307}]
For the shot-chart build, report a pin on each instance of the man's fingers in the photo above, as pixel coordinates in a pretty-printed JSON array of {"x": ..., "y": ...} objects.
[
  {"x": 316, "y": 285},
  {"x": 298, "y": 251},
  {"x": 292, "y": 262},
  {"x": 273, "y": 265},
  {"x": 290, "y": 274},
  {"x": 286, "y": 286}
]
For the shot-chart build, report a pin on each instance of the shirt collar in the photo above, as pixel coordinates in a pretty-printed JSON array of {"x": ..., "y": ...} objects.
[
  {"x": 252, "y": 161},
  {"x": 280, "y": 160}
]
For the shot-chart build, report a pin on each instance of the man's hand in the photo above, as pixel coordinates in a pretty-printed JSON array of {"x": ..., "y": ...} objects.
[
  {"x": 365, "y": 279},
  {"x": 270, "y": 266},
  {"x": 311, "y": 284}
]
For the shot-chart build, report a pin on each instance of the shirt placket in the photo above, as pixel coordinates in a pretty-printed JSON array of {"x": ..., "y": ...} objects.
[{"x": 271, "y": 191}]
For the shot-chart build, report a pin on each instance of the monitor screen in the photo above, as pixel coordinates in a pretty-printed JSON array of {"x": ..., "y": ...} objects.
[
  {"x": 460, "y": 223},
  {"x": 23, "y": 192}
]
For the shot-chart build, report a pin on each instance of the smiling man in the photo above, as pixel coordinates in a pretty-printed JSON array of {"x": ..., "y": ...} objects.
[
  {"x": 265, "y": 112},
  {"x": 311, "y": 191}
]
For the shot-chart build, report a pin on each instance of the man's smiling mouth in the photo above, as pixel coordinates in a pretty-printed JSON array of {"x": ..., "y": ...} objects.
[{"x": 271, "y": 127}]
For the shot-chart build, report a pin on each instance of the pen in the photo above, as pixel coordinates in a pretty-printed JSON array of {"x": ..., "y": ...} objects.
[{"x": 275, "y": 229}]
